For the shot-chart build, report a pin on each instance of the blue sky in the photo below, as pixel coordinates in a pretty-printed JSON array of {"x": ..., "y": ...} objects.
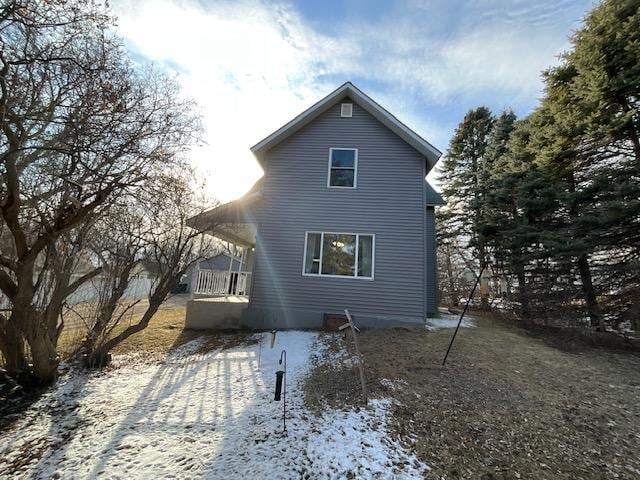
[{"x": 253, "y": 65}]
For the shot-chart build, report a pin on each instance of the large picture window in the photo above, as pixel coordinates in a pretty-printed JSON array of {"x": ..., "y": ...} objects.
[
  {"x": 339, "y": 254},
  {"x": 343, "y": 165}
]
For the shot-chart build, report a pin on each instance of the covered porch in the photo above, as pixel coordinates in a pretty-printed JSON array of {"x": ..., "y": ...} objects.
[{"x": 218, "y": 296}]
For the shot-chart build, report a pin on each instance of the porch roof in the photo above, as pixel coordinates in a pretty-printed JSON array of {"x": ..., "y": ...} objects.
[{"x": 232, "y": 221}]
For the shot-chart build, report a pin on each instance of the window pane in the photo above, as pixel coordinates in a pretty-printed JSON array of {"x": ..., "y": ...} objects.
[
  {"x": 343, "y": 158},
  {"x": 365, "y": 256},
  {"x": 312, "y": 255},
  {"x": 341, "y": 178},
  {"x": 339, "y": 254}
]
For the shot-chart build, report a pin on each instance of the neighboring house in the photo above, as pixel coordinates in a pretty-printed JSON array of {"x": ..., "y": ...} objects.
[{"x": 342, "y": 218}]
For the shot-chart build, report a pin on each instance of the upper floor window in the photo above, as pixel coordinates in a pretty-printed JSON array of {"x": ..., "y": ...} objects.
[{"x": 343, "y": 164}]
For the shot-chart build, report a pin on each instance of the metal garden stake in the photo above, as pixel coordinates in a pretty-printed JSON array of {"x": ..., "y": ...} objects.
[{"x": 444, "y": 360}]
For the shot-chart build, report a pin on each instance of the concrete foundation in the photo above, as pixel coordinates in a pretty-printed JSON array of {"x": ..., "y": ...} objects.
[
  {"x": 233, "y": 312},
  {"x": 268, "y": 319},
  {"x": 217, "y": 313}
]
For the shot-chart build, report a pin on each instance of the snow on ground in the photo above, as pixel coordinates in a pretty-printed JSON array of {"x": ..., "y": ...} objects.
[
  {"x": 208, "y": 415},
  {"x": 447, "y": 320}
]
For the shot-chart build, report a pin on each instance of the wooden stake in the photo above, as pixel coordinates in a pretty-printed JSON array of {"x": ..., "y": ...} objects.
[{"x": 360, "y": 361}]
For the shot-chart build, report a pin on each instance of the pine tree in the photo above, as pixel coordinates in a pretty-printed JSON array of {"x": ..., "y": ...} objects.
[
  {"x": 558, "y": 138},
  {"x": 588, "y": 138},
  {"x": 521, "y": 209},
  {"x": 554, "y": 199},
  {"x": 606, "y": 59},
  {"x": 462, "y": 176}
]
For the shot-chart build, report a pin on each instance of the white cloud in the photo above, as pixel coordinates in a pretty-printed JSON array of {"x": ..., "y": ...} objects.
[
  {"x": 484, "y": 52},
  {"x": 251, "y": 68},
  {"x": 487, "y": 60}
]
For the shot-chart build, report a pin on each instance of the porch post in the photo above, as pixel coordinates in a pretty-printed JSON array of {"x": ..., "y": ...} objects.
[
  {"x": 195, "y": 277},
  {"x": 244, "y": 251},
  {"x": 239, "y": 270},
  {"x": 229, "y": 279}
]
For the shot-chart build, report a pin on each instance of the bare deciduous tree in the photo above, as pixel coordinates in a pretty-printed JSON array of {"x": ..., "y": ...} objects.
[
  {"x": 152, "y": 229},
  {"x": 79, "y": 127}
]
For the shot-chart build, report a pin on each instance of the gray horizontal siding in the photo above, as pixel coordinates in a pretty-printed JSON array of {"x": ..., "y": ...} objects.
[{"x": 388, "y": 202}]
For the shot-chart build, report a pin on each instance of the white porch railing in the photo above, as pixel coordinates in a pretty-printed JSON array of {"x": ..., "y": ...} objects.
[{"x": 221, "y": 282}]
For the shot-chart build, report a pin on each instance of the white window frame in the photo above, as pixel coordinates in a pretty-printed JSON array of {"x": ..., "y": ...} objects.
[
  {"x": 348, "y": 106},
  {"x": 355, "y": 168},
  {"x": 355, "y": 276}
]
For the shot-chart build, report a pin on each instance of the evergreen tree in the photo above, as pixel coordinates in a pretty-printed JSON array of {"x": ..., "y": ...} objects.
[
  {"x": 606, "y": 60},
  {"x": 521, "y": 210},
  {"x": 498, "y": 143},
  {"x": 583, "y": 141},
  {"x": 462, "y": 176},
  {"x": 558, "y": 139},
  {"x": 554, "y": 200}
]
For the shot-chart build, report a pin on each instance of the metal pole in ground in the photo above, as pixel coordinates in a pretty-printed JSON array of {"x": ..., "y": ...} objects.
[{"x": 444, "y": 360}]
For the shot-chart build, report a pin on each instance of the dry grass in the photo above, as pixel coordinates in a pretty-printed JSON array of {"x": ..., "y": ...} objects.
[
  {"x": 165, "y": 332},
  {"x": 333, "y": 385},
  {"x": 506, "y": 405}
]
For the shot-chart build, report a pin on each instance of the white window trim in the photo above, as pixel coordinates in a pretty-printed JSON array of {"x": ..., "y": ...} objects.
[
  {"x": 352, "y": 277},
  {"x": 342, "y": 110},
  {"x": 355, "y": 168}
]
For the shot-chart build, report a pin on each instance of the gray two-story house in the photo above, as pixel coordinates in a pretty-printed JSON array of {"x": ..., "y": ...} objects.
[{"x": 342, "y": 218}]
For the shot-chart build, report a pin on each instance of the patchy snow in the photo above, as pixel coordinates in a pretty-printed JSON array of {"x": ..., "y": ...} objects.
[
  {"x": 393, "y": 384},
  {"x": 198, "y": 415},
  {"x": 449, "y": 321}
]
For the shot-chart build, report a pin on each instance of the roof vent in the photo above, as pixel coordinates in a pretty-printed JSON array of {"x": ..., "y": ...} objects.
[{"x": 346, "y": 109}]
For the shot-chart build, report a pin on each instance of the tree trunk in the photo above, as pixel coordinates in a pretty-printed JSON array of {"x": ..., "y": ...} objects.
[
  {"x": 45, "y": 358},
  {"x": 453, "y": 293},
  {"x": 12, "y": 347},
  {"x": 522, "y": 293},
  {"x": 39, "y": 331},
  {"x": 38, "y": 328},
  {"x": 593, "y": 308},
  {"x": 484, "y": 282},
  {"x": 101, "y": 355},
  {"x": 636, "y": 145},
  {"x": 107, "y": 309}
]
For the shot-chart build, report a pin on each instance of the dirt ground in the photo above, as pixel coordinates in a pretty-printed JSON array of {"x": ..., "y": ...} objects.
[{"x": 507, "y": 405}]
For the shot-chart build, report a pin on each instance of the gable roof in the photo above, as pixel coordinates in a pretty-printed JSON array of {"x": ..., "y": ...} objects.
[{"x": 431, "y": 153}]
